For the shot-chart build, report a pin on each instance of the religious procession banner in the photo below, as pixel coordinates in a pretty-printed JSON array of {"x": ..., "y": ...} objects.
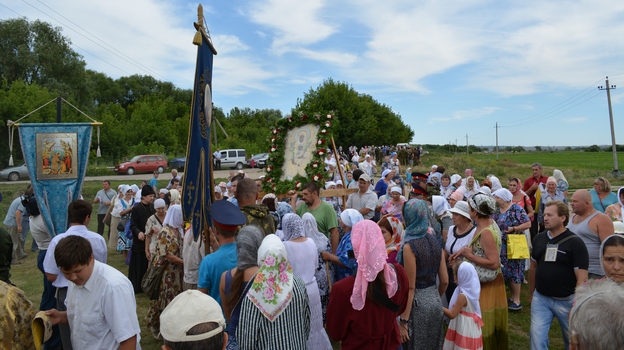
[
  {"x": 56, "y": 156},
  {"x": 197, "y": 183},
  {"x": 298, "y": 147}
]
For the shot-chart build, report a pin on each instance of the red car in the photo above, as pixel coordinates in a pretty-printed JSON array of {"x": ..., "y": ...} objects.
[{"x": 142, "y": 164}]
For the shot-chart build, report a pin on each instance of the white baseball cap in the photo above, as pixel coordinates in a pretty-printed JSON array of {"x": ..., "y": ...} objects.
[{"x": 186, "y": 311}]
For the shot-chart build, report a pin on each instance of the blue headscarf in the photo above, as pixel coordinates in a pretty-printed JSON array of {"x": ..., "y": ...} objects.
[
  {"x": 283, "y": 208},
  {"x": 416, "y": 218}
]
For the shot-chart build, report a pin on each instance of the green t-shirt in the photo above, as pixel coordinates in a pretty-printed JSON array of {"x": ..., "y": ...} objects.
[{"x": 324, "y": 214}]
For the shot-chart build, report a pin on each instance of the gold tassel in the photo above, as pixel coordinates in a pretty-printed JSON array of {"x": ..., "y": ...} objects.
[{"x": 197, "y": 39}]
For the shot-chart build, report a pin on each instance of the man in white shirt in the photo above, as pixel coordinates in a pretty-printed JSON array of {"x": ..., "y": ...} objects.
[
  {"x": 368, "y": 165},
  {"x": 79, "y": 214},
  {"x": 364, "y": 200},
  {"x": 217, "y": 159},
  {"x": 101, "y": 309}
]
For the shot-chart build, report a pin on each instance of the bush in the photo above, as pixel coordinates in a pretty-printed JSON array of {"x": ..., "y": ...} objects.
[{"x": 97, "y": 170}]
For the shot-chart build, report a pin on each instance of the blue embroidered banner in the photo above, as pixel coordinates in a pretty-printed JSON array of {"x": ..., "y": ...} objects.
[
  {"x": 56, "y": 156},
  {"x": 196, "y": 186}
]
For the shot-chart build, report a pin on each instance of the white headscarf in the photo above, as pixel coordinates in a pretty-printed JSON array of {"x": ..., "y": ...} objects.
[
  {"x": 292, "y": 227},
  {"x": 496, "y": 184},
  {"x": 559, "y": 176},
  {"x": 311, "y": 231},
  {"x": 467, "y": 284},
  {"x": 455, "y": 178},
  {"x": 503, "y": 194},
  {"x": 440, "y": 205},
  {"x": 174, "y": 218},
  {"x": 174, "y": 196},
  {"x": 351, "y": 217}
]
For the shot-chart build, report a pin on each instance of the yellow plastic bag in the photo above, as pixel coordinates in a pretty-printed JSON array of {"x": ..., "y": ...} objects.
[{"x": 517, "y": 247}]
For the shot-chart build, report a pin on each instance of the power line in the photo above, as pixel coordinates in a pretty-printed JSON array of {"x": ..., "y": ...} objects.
[
  {"x": 77, "y": 32},
  {"x": 562, "y": 104},
  {"x": 104, "y": 42}
]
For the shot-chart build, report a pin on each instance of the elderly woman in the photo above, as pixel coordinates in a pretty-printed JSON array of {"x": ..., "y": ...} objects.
[
  {"x": 511, "y": 219},
  {"x": 601, "y": 194},
  {"x": 394, "y": 205},
  {"x": 422, "y": 258},
  {"x": 470, "y": 187},
  {"x": 393, "y": 232},
  {"x": 168, "y": 253},
  {"x": 344, "y": 262},
  {"x": 363, "y": 308},
  {"x": 303, "y": 257},
  {"x": 382, "y": 186},
  {"x": 562, "y": 183},
  {"x": 274, "y": 311},
  {"x": 236, "y": 282},
  {"x": 612, "y": 257},
  {"x": 456, "y": 196},
  {"x": 484, "y": 252},
  {"x": 461, "y": 235},
  {"x": 552, "y": 193},
  {"x": 153, "y": 226}
]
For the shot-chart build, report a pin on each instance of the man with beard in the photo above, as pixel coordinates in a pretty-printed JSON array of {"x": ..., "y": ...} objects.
[{"x": 322, "y": 211}]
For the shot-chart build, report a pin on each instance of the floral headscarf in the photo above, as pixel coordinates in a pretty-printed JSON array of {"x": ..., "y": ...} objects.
[
  {"x": 416, "y": 222},
  {"x": 292, "y": 226},
  {"x": 397, "y": 235},
  {"x": 311, "y": 231},
  {"x": 476, "y": 201},
  {"x": 369, "y": 250},
  {"x": 271, "y": 290}
]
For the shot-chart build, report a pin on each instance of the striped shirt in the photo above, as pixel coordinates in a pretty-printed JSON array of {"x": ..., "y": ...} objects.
[{"x": 288, "y": 331}]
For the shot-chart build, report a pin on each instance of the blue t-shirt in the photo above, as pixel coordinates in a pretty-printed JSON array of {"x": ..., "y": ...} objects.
[
  {"x": 213, "y": 265},
  {"x": 153, "y": 182}
]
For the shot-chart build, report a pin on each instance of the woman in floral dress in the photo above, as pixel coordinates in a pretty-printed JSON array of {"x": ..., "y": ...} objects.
[{"x": 168, "y": 254}]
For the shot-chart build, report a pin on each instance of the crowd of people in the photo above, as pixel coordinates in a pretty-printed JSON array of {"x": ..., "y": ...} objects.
[{"x": 405, "y": 262}]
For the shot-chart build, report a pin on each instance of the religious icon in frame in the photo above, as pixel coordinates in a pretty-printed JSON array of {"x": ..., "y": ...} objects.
[{"x": 56, "y": 156}]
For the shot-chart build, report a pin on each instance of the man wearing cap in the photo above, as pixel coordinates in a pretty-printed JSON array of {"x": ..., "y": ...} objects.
[
  {"x": 419, "y": 186},
  {"x": 364, "y": 200},
  {"x": 255, "y": 214},
  {"x": 193, "y": 320},
  {"x": 226, "y": 218},
  {"x": 323, "y": 212}
]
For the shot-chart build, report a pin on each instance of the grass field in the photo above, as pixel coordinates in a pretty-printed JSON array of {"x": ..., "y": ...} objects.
[{"x": 580, "y": 170}]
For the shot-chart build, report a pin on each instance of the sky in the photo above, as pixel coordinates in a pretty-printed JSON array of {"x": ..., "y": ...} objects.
[{"x": 449, "y": 69}]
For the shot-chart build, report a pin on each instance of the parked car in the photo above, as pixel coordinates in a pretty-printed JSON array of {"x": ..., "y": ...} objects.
[
  {"x": 260, "y": 160},
  {"x": 15, "y": 173},
  {"x": 177, "y": 163},
  {"x": 233, "y": 158},
  {"x": 142, "y": 164}
]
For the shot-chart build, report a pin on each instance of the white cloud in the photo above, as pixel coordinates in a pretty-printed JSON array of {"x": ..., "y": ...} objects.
[
  {"x": 294, "y": 23},
  {"x": 466, "y": 114}
]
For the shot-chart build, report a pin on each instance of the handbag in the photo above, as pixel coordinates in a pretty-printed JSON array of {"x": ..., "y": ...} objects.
[
  {"x": 152, "y": 281},
  {"x": 121, "y": 226},
  {"x": 517, "y": 246},
  {"x": 485, "y": 275}
]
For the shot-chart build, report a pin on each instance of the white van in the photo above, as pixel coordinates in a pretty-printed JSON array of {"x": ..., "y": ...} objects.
[
  {"x": 404, "y": 145},
  {"x": 233, "y": 158}
]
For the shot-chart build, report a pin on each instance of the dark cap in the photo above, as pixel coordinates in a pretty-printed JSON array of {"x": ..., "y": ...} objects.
[
  {"x": 419, "y": 176},
  {"x": 226, "y": 215},
  {"x": 417, "y": 189},
  {"x": 147, "y": 190}
]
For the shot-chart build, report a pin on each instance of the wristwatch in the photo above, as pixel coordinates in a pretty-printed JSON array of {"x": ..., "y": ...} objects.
[{"x": 403, "y": 321}]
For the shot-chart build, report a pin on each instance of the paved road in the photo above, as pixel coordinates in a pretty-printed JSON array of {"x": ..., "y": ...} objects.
[{"x": 253, "y": 173}]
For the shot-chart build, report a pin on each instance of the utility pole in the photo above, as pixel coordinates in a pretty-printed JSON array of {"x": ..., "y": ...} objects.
[
  {"x": 613, "y": 147},
  {"x": 496, "y": 140},
  {"x": 455, "y": 146},
  {"x": 466, "y": 144}
]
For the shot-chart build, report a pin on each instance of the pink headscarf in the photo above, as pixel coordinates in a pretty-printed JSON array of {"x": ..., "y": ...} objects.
[
  {"x": 369, "y": 249},
  {"x": 458, "y": 195}
]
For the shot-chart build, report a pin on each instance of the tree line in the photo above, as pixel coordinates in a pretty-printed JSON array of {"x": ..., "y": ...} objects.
[{"x": 141, "y": 114}]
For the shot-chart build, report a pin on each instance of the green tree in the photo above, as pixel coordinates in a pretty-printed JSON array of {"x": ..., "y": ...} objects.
[
  {"x": 538, "y": 148},
  {"x": 360, "y": 119},
  {"x": 36, "y": 52}
]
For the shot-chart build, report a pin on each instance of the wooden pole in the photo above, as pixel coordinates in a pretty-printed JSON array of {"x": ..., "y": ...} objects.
[{"x": 339, "y": 166}]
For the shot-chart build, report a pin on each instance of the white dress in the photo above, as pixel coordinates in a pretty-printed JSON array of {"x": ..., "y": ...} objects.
[{"x": 303, "y": 258}]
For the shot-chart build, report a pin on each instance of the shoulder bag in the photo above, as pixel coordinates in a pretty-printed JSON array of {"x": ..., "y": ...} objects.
[{"x": 152, "y": 280}]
